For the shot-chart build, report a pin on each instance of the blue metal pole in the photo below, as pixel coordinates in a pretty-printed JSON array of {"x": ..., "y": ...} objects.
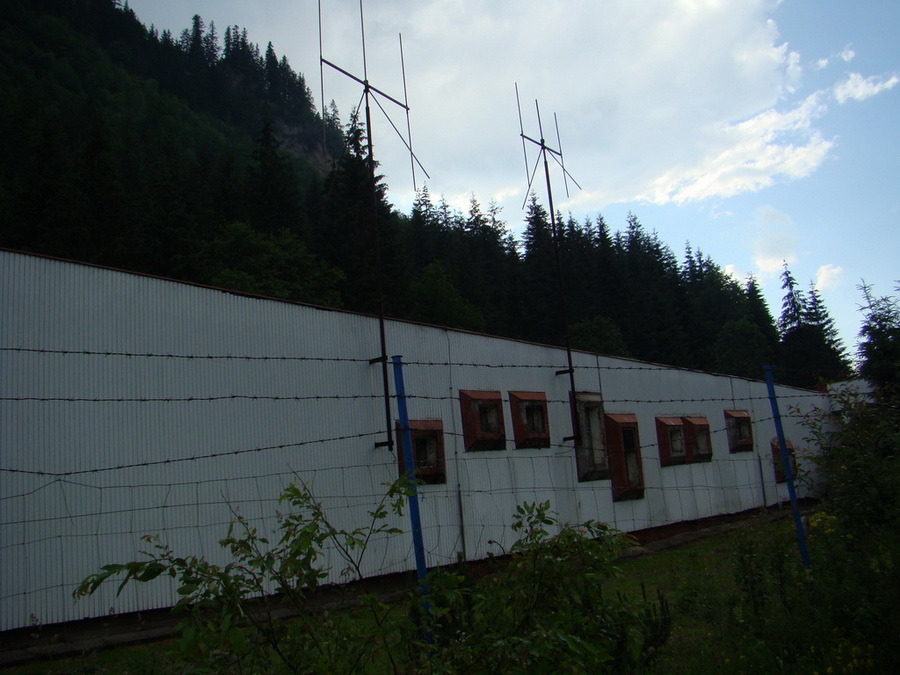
[
  {"x": 413, "y": 499},
  {"x": 788, "y": 471}
]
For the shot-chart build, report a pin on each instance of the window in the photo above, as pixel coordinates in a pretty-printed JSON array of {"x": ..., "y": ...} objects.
[
  {"x": 778, "y": 465},
  {"x": 625, "y": 468},
  {"x": 670, "y": 437},
  {"x": 590, "y": 449},
  {"x": 739, "y": 428},
  {"x": 482, "y": 420},
  {"x": 697, "y": 440},
  {"x": 530, "y": 423},
  {"x": 427, "y": 438}
]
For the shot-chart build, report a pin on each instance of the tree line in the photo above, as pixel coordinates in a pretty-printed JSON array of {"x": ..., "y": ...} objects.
[{"x": 204, "y": 159}]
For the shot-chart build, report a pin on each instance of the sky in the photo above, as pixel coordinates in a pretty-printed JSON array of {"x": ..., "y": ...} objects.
[{"x": 758, "y": 131}]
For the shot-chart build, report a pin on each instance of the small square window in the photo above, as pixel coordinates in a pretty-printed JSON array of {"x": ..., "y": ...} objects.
[
  {"x": 529, "y": 419},
  {"x": 427, "y": 437},
  {"x": 625, "y": 467},
  {"x": 482, "y": 420},
  {"x": 739, "y": 428},
  {"x": 670, "y": 436},
  {"x": 778, "y": 465},
  {"x": 590, "y": 448},
  {"x": 697, "y": 439}
]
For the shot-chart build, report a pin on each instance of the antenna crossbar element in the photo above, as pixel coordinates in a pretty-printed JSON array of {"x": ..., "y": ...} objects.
[
  {"x": 365, "y": 83},
  {"x": 542, "y": 145}
]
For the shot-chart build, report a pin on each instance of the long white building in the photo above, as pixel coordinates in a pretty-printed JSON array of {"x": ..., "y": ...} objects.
[{"x": 132, "y": 405}]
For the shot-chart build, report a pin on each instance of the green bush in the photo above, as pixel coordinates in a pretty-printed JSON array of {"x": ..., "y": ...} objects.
[
  {"x": 542, "y": 609},
  {"x": 768, "y": 612}
]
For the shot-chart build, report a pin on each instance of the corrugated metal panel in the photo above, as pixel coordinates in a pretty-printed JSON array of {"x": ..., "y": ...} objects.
[{"x": 135, "y": 405}]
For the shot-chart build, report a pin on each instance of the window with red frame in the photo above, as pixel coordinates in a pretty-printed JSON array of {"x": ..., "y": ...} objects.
[
  {"x": 778, "y": 465},
  {"x": 625, "y": 468},
  {"x": 482, "y": 420},
  {"x": 427, "y": 437},
  {"x": 531, "y": 427},
  {"x": 697, "y": 439},
  {"x": 739, "y": 428},
  {"x": 591, "y": 458},
  {"x": 670, "y": 437}
]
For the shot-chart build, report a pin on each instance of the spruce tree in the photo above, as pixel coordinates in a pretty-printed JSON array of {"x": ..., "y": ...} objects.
[
  {"x": 793, "y": 307},
  {"x": 879, "y": 346}
]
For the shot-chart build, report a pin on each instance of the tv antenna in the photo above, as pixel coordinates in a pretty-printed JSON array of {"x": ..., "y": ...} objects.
[
  {"x": 545, "y": 151},
  {"x": 371, "y": 93}
]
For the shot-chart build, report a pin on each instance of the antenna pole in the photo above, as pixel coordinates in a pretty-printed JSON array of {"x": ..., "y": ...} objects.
[
  {"x": 560, "y": 279},
  {"x": 322, "y": 85},
  {"x": 412, "y": 158},
  {"x": 555, "y": 233},
  {"x": 368, "y": 91}
]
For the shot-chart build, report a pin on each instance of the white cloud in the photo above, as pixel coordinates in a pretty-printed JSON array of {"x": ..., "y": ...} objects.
[
  {"x": 848, "y": 54},
  {"x": 649, "y": 97},
  {"x": 793, "y": 71},
  {"x": 752, "y": 154},
  {"x": 774, "y": 242},
  {"x": 858, "y": 88},
  {"x": 821, "y": 64},
  {"x": 733, "y": 272},
  {"x": 828, "y": 277}
]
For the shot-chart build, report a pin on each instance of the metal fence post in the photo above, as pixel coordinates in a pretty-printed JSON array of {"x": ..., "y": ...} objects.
[
  {"x": 413, "y": 498},
  {"x": 788, "y": 471}
]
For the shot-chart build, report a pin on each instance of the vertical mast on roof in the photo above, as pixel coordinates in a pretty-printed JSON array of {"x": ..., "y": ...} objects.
[
  {"x": 369, "y": 93},
  {"x": 544, "y": 151}
]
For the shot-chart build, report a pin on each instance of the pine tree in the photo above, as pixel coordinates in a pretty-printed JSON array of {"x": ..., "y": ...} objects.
[
  {"x": 879, "y": 347},
  {"x": 810, "y": 353},
  {"x": 793, "y": 307},
  {"x": 816, "y": 314}
]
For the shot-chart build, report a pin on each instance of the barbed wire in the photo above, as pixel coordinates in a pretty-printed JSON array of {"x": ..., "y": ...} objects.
[
  {"x": 353, "y": 397},
  {"x": 561, "y": 448},
  {"x": 441, "y": 364},
  {"x": 173, "y": 355},
  {"x": 178, "y": 460},
  {"x": 188, "y": 399}
]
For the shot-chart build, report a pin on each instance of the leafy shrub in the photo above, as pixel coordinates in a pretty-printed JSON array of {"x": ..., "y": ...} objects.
[
  {"x": 231, "y": 611},
  {"x": 843, "y": 614},
  {"x": 541, "y": 610}
]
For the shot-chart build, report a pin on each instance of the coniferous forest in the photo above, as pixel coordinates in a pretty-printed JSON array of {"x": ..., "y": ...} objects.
[{"x": 202, "y": 157}]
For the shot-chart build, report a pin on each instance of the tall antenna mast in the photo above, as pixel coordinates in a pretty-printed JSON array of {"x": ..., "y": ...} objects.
[
  {"x": 543, "y": 152},
  {"x": 370, "y": 93}
]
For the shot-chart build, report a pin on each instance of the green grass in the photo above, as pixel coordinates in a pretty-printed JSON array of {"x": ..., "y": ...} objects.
[{"x": 681, "y": 574}]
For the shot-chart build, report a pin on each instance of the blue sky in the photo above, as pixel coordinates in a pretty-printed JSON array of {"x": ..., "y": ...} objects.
[{"x": 759, "y": 131}]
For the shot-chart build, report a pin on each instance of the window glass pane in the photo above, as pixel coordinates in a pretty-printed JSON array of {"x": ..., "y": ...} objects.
[
  {"x": 632, "y": 470},
  {"x": 533, "y": 413},
  {"x": 426, "y": 451},
  {"x": 487, "y": 418},
  {"x": 703, "y": 440},
  {"x": 676, "y": 441},
  {"x": 593, "y": 433}
]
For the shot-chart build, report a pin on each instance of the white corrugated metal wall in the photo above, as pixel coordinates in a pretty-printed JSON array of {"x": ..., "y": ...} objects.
[{"x": 133, "y": 405}]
